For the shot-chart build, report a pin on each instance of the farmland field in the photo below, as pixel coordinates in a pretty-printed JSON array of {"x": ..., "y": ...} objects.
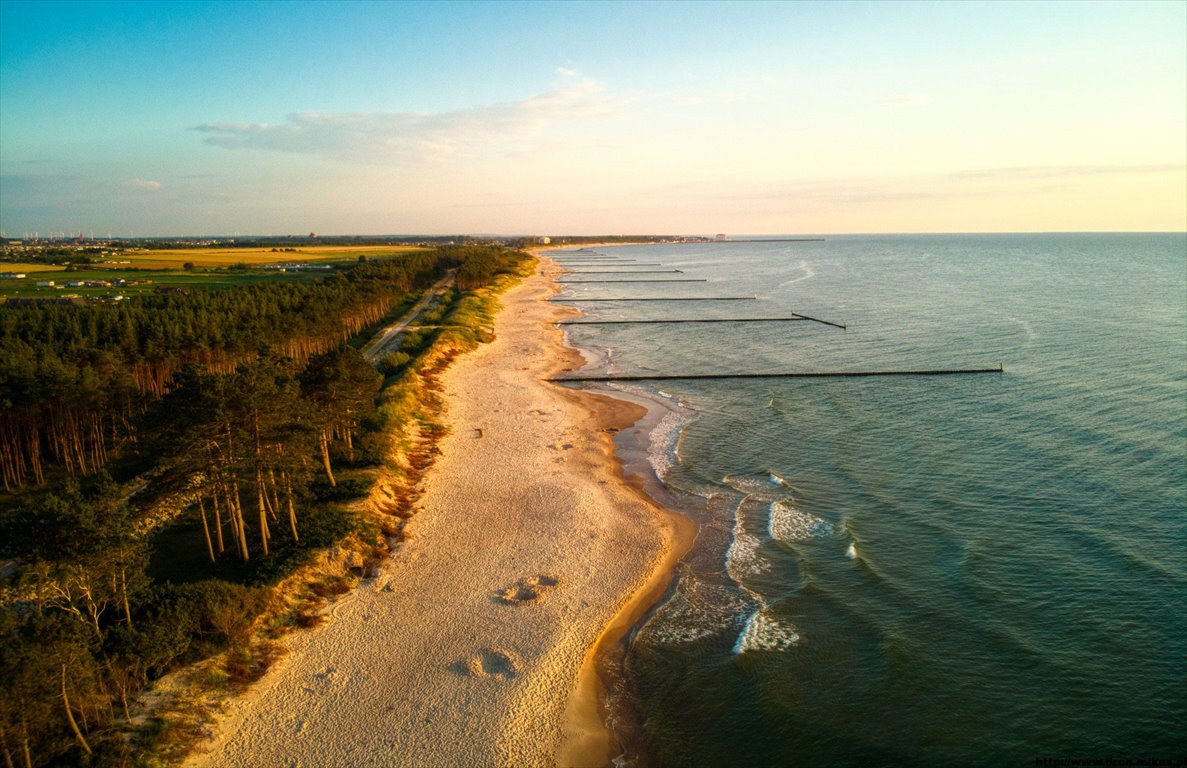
[
  {"x": 20, "y": 266},
  {"x": 173, "y": 258},
  {"x": 211, "y": 268}
]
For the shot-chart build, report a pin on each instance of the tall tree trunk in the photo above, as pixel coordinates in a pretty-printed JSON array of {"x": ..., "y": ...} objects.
[
  {"x": 76, "y": 445},
  {"x": 70, "y": 715},
  {"x": 25, "y": 743},
  {"x": 218, "y": 523},
  {"x": 231, "y": 518},
  {"x": 263, "y": 510},
  {"x": 288, "y": 489},
  {"x": 236, "y": 509},
  {"x": 273, "y": 496},
  {"x": 242, "y": 522},
  {"x": 34, "y": 442},
  {"x": 124, "y": 593},
  {"x": 206, "y": 530},
  {"x": 325, "y": 458},
  {"x": 8, "y": 763}
]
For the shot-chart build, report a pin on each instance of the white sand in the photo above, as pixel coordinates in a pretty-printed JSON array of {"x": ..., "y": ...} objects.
[{"x": 426, "y": 665}]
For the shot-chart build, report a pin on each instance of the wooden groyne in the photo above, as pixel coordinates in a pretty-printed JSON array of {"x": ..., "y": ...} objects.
[
  {"x": 822, "y": 322},
  {"x": 667, "y": 298},
  {"x": 600, "y": 264},
  {"x": 777, "y": 240},
  {"x": 683, "y": 320},
  {"x": 821, "y": 375},
  {"x": 625, "y": 272},
  {"x": 673, "y": 280},
  {"x": 794, "y": 318}
]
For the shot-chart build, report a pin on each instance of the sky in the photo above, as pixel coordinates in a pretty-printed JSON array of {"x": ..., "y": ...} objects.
[{"x": 221, "y": 118}]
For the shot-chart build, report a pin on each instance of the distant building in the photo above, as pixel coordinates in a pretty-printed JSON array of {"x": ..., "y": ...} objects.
[
  {"x": 45, "y": 283},
  {"x": 542, "y": 240},
  {"x": 719, "y": 238},
  {"x": 12, "y": 275}
]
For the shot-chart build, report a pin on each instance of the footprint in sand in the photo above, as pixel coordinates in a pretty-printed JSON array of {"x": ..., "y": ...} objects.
[
  {"x": 489, "y": 662},
  {"x": 529, "y": 589},
  {"x": 327, "y": 678}
]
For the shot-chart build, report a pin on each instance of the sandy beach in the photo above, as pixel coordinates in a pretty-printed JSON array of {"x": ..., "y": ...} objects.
[{"x": 528, "y": 551}]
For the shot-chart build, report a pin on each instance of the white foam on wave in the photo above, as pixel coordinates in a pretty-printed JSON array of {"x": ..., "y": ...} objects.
[
  {"x": 787, "y": 523},
  {"x": 764, "y": 632},
  {"x": 808, "y": 275},
  {"x": 767, "y": 486},
  {"x": 695, "y": 611},
  {"x": 661, "y": 446},
  {"x": 851, "y": 553},
  {"x": 742, "y": 560}
]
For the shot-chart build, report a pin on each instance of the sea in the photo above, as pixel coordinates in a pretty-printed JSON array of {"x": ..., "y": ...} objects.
[{"x": 981, "y": 569}]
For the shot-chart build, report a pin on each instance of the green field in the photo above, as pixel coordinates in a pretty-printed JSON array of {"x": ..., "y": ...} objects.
[
  {"x": 149, "y": 281},
  {"x": 212, "y": 268}
]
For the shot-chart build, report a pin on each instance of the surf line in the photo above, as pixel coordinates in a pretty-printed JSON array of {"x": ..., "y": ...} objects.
[{"x": 820, "y": 375}]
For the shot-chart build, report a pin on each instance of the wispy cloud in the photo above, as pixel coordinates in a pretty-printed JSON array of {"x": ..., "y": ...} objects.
[
  {"x": 1023, "y": 173},
  {"x": 415, "y": 137},
  {"x": 982, "y": 182},
  {"x": 146, "y": 184}
]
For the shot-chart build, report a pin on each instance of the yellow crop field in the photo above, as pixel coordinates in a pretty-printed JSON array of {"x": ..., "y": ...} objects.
[
  {"x": 20, "y": 266},
  {"x": 221, "y": 257}
]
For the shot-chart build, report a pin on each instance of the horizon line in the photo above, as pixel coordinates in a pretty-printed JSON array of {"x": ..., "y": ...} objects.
[{"x": 731, "y": 238}]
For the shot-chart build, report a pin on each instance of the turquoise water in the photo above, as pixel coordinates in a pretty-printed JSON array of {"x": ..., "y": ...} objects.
[{"x": 977, "y": 570}]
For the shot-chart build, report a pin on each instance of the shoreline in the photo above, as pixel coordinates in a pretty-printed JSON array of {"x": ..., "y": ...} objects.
[
  {"x": 589, "y": 739},
  {"x": 477, "y": 642}
]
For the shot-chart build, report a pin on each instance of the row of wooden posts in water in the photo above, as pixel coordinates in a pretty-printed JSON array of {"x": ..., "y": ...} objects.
[{"x": 600, "y": 260}]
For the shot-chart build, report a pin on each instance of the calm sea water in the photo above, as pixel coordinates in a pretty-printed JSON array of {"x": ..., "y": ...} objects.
[{"x": 946, "y": 571}]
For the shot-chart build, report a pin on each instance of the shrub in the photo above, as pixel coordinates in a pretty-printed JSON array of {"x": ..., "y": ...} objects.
[{"x": 393, "y": 362}]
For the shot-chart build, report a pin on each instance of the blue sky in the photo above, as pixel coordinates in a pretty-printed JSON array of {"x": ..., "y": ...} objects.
[{"x": 275, "y": 117}]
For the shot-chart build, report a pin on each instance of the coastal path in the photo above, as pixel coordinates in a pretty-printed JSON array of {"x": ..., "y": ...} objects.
[{"x": 385, "y": 340}]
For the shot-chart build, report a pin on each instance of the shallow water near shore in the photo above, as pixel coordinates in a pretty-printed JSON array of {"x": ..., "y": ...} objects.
[{"x": 932, "y": 571}]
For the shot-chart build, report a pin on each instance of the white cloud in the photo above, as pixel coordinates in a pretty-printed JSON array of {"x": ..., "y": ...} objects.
[
  {"x": 566, "y": 72},
  {"x": 415, "y": 137},
  {"x": 147, "y": 184}
]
